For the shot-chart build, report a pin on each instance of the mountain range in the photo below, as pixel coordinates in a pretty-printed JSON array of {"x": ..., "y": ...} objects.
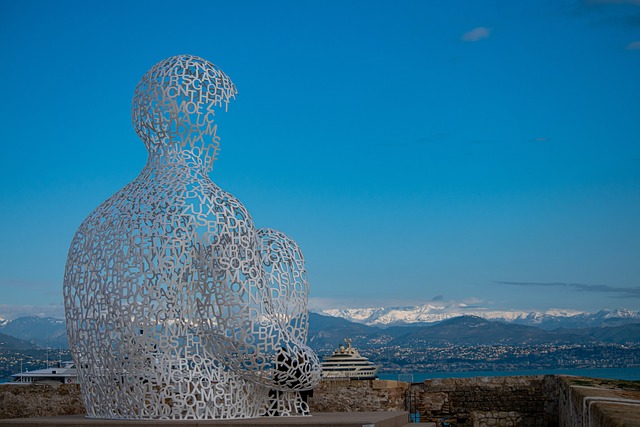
[
  {"x": 428, "y": 314},
  {"x": 326, "y": 332}
]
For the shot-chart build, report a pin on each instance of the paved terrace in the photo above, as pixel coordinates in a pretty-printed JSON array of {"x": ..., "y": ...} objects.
[{"x": 329, "y": 419}]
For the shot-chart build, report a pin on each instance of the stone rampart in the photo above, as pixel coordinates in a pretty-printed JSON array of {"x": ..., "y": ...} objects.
[
  {"x": 532, "y": 401},
  {"x": 478, "y": 402},
  {"x": 527, "y": 401}
]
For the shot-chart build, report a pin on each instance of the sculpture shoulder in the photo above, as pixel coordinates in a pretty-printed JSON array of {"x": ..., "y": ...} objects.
[
  {"x": 224, "y": 203},
  {"x": 147, "y": 204},
  {"x": 114, "y": 208}
]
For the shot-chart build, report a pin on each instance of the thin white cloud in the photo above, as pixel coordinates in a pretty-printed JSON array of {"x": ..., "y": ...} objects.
[
  {"x": 476, "y": 34},
  {"x": 633, "y": 45}
]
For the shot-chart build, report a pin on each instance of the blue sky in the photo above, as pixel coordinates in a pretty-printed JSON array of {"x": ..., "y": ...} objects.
[{"x": 485, "y": 152}]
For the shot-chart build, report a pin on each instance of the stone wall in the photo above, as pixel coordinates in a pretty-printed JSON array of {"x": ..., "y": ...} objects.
[
  {"x": 530, "y": 401},
  {"x": 478, "y": 402},
  {"x": 22, "y": 401},
  {"x": 487, "y": 401},
  {"x": 358, "y": 396}
]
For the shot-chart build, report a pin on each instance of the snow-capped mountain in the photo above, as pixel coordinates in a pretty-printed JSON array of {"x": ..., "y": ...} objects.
[
  {"x": 391, "y": 316},
  {"x": 420, "y": 315}
]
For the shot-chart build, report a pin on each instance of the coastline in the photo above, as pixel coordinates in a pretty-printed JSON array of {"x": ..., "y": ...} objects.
[{"x": 628, "y": 374}]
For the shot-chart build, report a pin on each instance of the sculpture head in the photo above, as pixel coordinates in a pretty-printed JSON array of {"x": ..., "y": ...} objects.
[{"x": 174, "y": 107}]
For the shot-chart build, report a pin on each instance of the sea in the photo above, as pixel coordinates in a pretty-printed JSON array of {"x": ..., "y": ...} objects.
[{"x": 630, "y": 374}]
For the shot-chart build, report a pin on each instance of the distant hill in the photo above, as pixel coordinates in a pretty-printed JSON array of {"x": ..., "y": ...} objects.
[
  {"x": 326, "y": 333},
  {"x": 7, "y": 342},
  {"x": 463, "y": 330},
  {"x": 473, "y": 330},
  {"x": 43, "y": 332},
  {"x": 623, "y": 334}
]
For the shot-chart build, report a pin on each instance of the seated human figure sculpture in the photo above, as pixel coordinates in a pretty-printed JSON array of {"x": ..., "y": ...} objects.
[{"x": 176, "y": 306}]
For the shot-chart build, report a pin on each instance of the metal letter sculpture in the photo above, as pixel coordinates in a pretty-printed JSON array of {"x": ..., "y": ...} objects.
[{"x": 176, "y": 306}]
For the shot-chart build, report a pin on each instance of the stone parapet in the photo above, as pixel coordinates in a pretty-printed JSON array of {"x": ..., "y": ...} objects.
[{"x": 588, "y": 402}]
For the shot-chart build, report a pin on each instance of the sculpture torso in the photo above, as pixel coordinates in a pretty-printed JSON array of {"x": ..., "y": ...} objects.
[{"x": 169, "y": 294}]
